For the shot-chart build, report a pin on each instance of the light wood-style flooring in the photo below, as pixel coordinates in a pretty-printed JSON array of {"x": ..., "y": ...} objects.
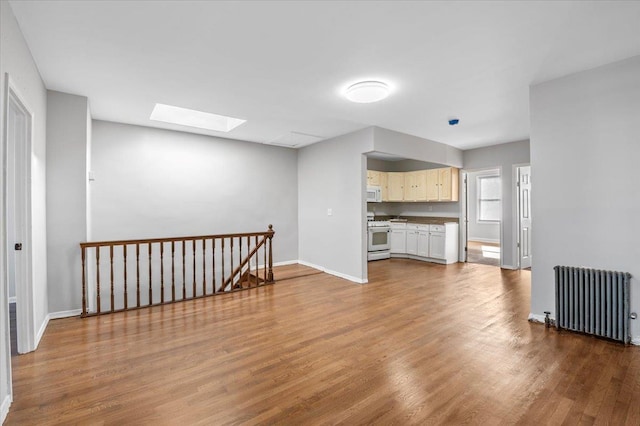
[{"x": 420, "y": 344}]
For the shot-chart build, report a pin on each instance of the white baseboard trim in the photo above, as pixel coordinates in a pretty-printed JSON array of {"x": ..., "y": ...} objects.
[
  {"x": 511, "y": 267},
  {"x": 286, "y": 262},
  {"x": 55, "y": 315},
  {"x": 635, "y": 340},
  {"x": 13, "y": 299},
  {"x": 335, "y": 273},
  {"x": 4, "y": 409},
  {"x": 483, "y": 240},
  {"x": 41, "y": 331},
  {"x": 539, "y": 318},
  {"x": 65, "y": 314}
]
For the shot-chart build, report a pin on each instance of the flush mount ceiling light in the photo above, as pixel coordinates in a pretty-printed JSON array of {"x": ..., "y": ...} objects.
[
  {"x": 193, "y": 118},
  {"x": 366, "y": 92}
]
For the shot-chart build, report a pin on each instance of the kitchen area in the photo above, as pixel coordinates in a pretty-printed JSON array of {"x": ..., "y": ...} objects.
[{"x": 412, "y": 210}]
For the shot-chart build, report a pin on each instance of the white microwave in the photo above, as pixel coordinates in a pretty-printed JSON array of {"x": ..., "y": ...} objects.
[{"x": 374, "y": 194}]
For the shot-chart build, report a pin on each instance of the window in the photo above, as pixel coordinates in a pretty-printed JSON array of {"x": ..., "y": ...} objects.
[{"x": 488, "y": 199}]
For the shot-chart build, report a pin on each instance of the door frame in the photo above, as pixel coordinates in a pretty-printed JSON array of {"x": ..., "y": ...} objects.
[
  {"x": 24, "y": 292},
  {"x": 464, "y": 211},
  {"x": 516, "y": 212}
]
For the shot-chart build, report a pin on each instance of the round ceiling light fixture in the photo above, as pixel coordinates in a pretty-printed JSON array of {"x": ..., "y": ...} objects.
[{"x": 366, "y": 92}]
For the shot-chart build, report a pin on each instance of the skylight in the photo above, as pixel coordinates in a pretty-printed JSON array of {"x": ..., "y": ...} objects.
[{"x": 193, "y": 118}]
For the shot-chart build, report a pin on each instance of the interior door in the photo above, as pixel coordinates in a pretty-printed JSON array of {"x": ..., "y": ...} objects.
[
  {"x": 524, "y": 216},
  {"x": 17, "y": 225}
]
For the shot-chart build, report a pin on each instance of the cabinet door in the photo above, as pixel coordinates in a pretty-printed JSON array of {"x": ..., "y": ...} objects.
[
  {"x": 396, "y": 186},
  {"x": 423, "y": 243},
  {"x": 410, "y": 186},
  {"x": 437, "y": 245},
  {"x": 399, "y": 241},
  {"x": 433, "y": 185},
  {"x": 448, "y": 178},
  {"x": 384, "y": 184},
  {"x": 373, "y": 177},
  {"x": 412, "y": 242},
  {"x": 420, "y": 190}
]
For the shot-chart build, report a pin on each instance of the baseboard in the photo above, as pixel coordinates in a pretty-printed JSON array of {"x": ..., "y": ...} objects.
[
  {"x": 41, "y": 331},
  {"x": 54, "y": 315},
  {"x": 335, "y": 273},
  {"x": 13, "y": 299},
  {"x": 539, "y": 318},
  {"x": 483, "y": 240},
  {"x": 286, "y": 262},
  {"x": 283, "y": 263},
  {"x": 511, "y": 267},
  {"x": 65, "y": 314},
  {"x": 4, "y": 409},
  {"x": 635, "y": 340}
]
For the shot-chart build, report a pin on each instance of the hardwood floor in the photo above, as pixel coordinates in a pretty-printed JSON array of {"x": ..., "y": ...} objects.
[
  {"x": 420, "y": 344},
  {"x": 484, "y": 253}
]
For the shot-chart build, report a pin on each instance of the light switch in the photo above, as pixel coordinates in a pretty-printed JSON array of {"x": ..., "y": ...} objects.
[{"x": 329, "y": 212}]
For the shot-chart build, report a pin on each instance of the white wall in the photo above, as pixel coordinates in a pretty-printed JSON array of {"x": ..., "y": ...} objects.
[
  {"x": 585, "y": 145},
  {"x": 415, "y": 148},
  {"x": 67, "y": 142},
  {"x": 332, "y": 175},
  {"x": 161, "y": 183},
  {"x": 480, "y": 231},
  {"x": 15, "y": 59},
  {"x": 504, "y": 157}
]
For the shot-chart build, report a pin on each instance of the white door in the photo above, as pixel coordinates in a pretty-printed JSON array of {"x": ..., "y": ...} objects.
[
  {"x": 436, "y": 245},
  {"x": 524, "y": 216},
  {"x": 17, "y": 213}
]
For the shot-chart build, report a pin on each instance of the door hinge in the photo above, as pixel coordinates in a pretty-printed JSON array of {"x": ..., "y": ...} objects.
[{"x": 18, "y": 246}]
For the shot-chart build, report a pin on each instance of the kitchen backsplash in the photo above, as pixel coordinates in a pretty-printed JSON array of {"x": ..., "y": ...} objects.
[{"x": 415, "y": 209}]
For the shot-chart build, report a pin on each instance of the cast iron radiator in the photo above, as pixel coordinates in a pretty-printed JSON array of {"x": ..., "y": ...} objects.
[{"x": 593, "y": 301}]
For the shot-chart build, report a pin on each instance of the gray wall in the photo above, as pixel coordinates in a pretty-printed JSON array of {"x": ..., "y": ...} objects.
[
  {"x": 67, "y": 142},
  {"x": 15, "y": 59},
  {"x": 161, "y": 183},
  {"x": 415, "y": 148},
  {"x": 332, "y": 175},
  {"x": 585, "y": 145},
  {"x": 504, "y": 157},
  {"x": 480, "y": 231}
]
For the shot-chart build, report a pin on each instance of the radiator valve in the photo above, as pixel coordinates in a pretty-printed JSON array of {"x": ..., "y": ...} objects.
[
  {"x": 547, "y": 320},
  {"x": 633, "y": 315}
]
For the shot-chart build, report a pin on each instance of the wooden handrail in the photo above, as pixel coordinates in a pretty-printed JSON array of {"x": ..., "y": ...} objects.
[
  {"x": 175, "y": 239},
  {"x": 201, "y": 259}
]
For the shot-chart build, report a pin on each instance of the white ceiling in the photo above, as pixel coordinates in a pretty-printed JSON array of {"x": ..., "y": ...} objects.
[{"x": 282, "y": 65}]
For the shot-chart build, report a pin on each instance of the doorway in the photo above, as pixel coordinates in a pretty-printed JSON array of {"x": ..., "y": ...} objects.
[
  {"x": 483, "y": 216},
  {"x": 17, "y": 164}
]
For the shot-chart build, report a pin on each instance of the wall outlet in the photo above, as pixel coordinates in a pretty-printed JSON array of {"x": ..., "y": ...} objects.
[{"x": 329, "y": 212}]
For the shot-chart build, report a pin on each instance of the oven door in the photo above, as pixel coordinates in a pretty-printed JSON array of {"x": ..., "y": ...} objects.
[{"x": 379, "y": 238}]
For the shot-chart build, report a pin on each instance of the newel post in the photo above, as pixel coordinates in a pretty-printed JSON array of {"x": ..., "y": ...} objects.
[
  {"x": 84, "y": 282},
  {"x": 270, "y": 236}
]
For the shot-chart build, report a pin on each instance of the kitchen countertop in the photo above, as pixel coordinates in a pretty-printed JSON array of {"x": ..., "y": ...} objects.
[{"x": 419, "y": 219}]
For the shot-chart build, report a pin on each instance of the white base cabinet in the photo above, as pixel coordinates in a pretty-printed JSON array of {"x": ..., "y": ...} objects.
[{"x": 434, "y": 243}]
